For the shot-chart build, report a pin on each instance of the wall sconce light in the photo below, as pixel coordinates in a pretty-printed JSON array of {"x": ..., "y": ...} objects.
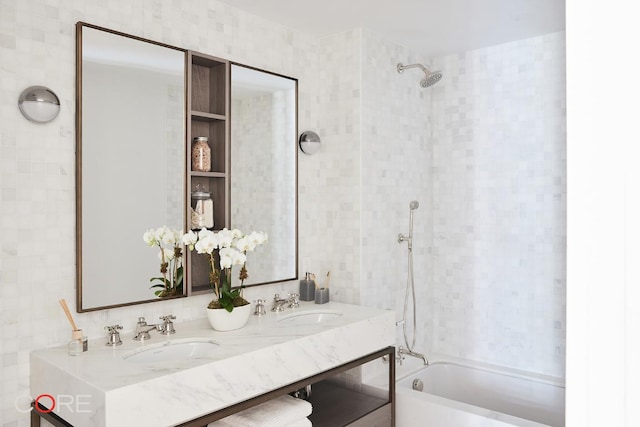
[
  {"x": 309, "y": 142},
  {"x": 39, "y": 104}
]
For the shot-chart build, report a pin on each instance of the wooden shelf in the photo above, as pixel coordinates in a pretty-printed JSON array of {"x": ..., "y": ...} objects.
[
  {"x": 209, "y": 174},
  {"x": 206, "y": 117},
  {"x": 208, "y": 107},
  {"x": 334, "y": 405}
]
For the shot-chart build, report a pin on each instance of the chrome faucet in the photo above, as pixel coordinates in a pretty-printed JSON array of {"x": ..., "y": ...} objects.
[
  {"x": 143, "y": 329},
  {"x": 113, "y": 336},
  {"x": 402, "y": 351},
  {"x": 167, "y": 324},
  {"x": 291, "y": 301}
]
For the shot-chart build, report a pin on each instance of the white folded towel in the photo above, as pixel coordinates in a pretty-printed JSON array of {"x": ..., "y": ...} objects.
[
  {"x": 283, "y": 411},
  {"x": 304, "y": 422}
]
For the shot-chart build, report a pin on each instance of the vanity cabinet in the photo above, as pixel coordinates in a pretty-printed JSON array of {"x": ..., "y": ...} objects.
[
  {"x": 207, "y": 116},
  {"x": 274, "y": 354},
  {"x": 337, "y": 401}
]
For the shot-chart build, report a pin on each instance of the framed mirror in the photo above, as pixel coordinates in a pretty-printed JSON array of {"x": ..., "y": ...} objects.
[
  {"x": 130, "y": 167},
  {"x": 263, "y": 194}
]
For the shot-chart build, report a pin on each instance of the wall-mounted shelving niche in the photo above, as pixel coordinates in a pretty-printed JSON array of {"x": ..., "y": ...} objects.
[{"x": 208, "y": 108}]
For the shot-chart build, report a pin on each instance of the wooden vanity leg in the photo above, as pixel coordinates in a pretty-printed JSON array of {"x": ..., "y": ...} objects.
[{"x": 35, "y": 416}]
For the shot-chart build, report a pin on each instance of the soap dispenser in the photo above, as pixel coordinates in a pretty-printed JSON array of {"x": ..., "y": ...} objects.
[{"x": 307, "y": 288}]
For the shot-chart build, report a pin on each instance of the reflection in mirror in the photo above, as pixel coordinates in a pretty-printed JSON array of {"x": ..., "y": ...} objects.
[
  {"x": 264, "y": 169},
  {"x": 130, "y": 162}
]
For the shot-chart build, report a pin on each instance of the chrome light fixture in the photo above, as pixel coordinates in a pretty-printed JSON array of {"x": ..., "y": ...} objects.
[
  {"x": 309, "y": 142},
  {"x": 39, "y": 104}
]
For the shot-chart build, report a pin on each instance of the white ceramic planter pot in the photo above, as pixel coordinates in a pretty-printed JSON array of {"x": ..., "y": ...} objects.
[{"x": 221, "y": 320}]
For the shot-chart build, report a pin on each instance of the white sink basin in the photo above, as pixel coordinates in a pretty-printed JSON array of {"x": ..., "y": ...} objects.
[
  {"x": 175, "y": 350},
  {"x": 309, "y": 317}
]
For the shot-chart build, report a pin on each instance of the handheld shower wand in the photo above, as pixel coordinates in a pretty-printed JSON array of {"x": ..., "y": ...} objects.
[
  {"x": 409, "y": 239},
  {"x": 410, "y": 291}
]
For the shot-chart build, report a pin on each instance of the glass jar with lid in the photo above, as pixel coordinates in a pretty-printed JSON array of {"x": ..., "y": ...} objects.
[
  {"x": 201, "y": 209},
  {"x": 200, "y": 154}
]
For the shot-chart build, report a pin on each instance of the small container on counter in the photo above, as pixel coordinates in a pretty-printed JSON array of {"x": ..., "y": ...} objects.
[
  {"x": 307, "y": 288},
  {"x": 322, "y": 295},
  {"x": 78, "y": 344}
]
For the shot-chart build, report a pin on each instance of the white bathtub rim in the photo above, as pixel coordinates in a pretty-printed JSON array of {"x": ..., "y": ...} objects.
[
  {"x": 411, "y": 366},
  {"x": 507, "y": 419}
]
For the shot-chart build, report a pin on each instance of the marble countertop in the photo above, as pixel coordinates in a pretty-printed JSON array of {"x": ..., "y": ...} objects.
[{"x": 269, "y": 352}]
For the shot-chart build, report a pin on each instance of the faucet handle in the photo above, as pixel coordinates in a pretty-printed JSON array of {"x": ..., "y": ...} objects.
[
  {"x": 277, "y": 303},
  {"x": 167, "y": 324},
  {"x": 142, "y": 321},
  {"x": 295, "y": 302},
  {"x": 113, "y": 337},
  {"x": 259, "y": 308}
]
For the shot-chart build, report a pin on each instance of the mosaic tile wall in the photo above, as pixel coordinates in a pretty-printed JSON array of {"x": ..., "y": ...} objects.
[
  {"x": 499, "y": 205},
  {"x": 483, "y": 153},
  {"x": 330, "y": 179},
  {"x": 396, "y": 159}
]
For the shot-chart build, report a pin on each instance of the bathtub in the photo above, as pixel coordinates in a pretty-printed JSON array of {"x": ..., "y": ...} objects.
[{"x": 462, "y": 396}]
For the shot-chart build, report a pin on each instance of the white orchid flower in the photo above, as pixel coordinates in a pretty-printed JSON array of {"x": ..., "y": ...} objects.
[
  {"x": 226, "y": 238},
  {"x": 237, "y": 234},
  {"x": 168, "y": 254},
  {"x": 208, "y": 241},
  {"x": 245, "y": 244},
  {"x": 149, "y": 238},
  {"x": 205, "y": 233},
  {"x": 206, "y": 245},
  {"x": 168, "y": 238},
  {"x": 189, "y": 239},
  {"x": 239, "y": 259},
  {"x": 258, "y": 238},
  {"x": 159, "y": 232},
  {"x": 227, "y": 256}
]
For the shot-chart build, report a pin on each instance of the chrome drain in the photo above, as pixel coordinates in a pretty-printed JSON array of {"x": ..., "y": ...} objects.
[{"x": 417, "y": 384}]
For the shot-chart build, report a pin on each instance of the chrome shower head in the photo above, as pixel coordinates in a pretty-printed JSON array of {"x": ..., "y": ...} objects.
[
  {"x": 430, "y": 77},
  {"x": 414, "y": 205}
]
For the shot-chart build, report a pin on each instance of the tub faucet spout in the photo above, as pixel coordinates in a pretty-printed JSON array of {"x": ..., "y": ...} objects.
[{"x": 402, "y": 351}]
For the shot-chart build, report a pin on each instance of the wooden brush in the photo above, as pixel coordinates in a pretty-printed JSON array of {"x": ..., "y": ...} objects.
[
  {"x": 326, "y": 283},
  {"x": 63, "y": 303}
]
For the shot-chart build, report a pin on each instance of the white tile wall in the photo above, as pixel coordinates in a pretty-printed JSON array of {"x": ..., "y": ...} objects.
[
  {"x": 499, "y": 205},
  {"x": 483, "y": 153},
  {"x": 396, "y": 159}
]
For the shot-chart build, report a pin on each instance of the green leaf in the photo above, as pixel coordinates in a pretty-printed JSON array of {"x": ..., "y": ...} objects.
[{"x": 179, "y": 277}]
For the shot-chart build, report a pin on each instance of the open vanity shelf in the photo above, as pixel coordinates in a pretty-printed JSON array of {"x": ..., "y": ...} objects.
[
  {"x": 207, "y": 115},
  {"x": 333, "y": 405}
]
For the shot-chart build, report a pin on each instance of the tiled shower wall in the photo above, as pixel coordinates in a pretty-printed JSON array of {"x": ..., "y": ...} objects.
[
  {"x": 396, "y": 169},
  {"x": 498, "y": 290}
]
